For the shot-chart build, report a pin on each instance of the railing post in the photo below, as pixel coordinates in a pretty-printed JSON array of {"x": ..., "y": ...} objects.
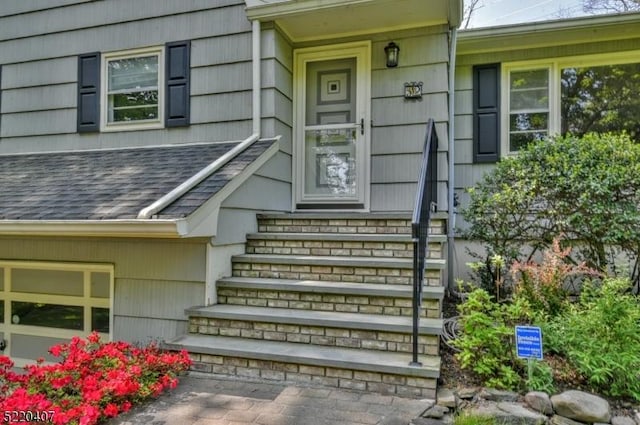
[
  {"x": 415, "y": 303},
  {"x": 425, "y": 197}
]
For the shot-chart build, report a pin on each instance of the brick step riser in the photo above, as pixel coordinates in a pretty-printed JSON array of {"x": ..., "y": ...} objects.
[
  {"x": 368, "y": 226},
  {"x": 317, "y": 302},
  {"x": 339, "y": 248},
  {"x": 391, "y": 276},
  {"x": 381, "y": 383},
  {"x": 315, "y": 335}
]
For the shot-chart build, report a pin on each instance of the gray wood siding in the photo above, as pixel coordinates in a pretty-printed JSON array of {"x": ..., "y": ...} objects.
[
  {"x": 399, "y": 124},
  {"x": 464, "y": 92},
  {"x": 467, "y": 174},
  {"x": 155, "y": 280},
  {"x": 40, "y": 44}
]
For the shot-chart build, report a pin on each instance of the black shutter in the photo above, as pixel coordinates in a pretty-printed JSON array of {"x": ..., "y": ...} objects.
[
  {"x": 177, "y": 83},
  {"x": 89, "y": 92},
  {"x": 486, "y": 113}
]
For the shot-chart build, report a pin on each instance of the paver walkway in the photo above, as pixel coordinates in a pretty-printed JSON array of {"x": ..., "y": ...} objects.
[{"x": 201, "y": 400}]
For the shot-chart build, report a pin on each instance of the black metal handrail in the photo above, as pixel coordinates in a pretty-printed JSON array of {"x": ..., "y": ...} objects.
[{"x": 426, "y": 197}]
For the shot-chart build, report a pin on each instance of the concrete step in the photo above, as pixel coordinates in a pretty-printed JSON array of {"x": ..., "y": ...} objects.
[
  {"x": 324, "y": 328},
  {"x": 347, "y": 237},
  {"x": 340, "y": 244},
  {"x": 375, "y": 371},
  {"x": 319, "y": 295},
  {"x": 339, "y": 261},
  {"x": 329, "y": 319},
  {"x": 327, "y": 287},
  {"x": 391, "y": 223},
  {"x": 395, "y": 271}
]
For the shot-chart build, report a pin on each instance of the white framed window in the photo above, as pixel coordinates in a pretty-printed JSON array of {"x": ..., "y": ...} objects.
[
  {"x": 43, "y": 304},
  {"x": 594, "y": 93},
  {"x": 133, "y": 89}
]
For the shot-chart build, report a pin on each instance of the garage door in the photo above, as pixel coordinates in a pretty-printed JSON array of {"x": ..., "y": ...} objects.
[{"x": 43, "y": 304}]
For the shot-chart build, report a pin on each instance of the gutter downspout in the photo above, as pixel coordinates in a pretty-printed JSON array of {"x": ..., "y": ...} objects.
[
  {"x": 164, "y": 201},
  {"x": 451, "y": 161},
  {"x": 218, "y": 258}
]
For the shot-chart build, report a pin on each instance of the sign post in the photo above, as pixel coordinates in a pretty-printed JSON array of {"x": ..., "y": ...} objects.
[{"x": 529, "y": 345}]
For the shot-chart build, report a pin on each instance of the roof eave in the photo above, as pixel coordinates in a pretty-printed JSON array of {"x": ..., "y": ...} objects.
[
  {"x": 95, "y": 228},
  {"x": 616, "y": 26}
]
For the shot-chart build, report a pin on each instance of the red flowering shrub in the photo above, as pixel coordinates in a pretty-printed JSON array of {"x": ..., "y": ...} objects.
[{"x": 93, "y": 381}]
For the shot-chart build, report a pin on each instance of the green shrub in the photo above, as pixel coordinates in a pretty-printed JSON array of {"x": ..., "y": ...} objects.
[
  {"x": 541, "y": 377},
  {"x": 486, "y": 340},
  {"x": 587, "y": 189},
  {"x": 600, "y": 336},
  {"x": 544, "y": 284}
]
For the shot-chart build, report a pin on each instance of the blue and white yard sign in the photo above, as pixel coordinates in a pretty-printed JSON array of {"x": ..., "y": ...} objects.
[{"x": 529, "y": 342}]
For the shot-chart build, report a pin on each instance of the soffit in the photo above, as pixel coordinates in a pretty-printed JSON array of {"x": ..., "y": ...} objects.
[
  {"x": 305, "y": 20},
  {"x": 549, "y": 33}
]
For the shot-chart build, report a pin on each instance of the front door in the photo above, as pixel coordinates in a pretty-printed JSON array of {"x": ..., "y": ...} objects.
[{"x": 331, "y": 127}]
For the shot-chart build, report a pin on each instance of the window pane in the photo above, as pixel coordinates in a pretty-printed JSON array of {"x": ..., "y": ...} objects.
[
  {"x": 134, "y": 114},
  {"x": 521, "y": 140},
  {"x": 601, "y": 99},
  {"x": 100, "y": 319},
  {"x": 1, "y": 311},
  {"x": 100, "y": 284},
  {"x": 530, "y": 78},
  {"x": 529, "y": 89},
  {"x": 58, "y": 282},
  {"x": 530, "y": 99},
  {"x": 48, "y": 315},
  {"x": 133, "y": 89},
  {"x": 525, "y": 122},
  {"x": 142, "y": 98},
  {"x": 132, "y": 73},
  {"x": 528, "y": 107}
]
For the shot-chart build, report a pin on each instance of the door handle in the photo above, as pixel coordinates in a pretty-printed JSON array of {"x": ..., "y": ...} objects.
[{"x": 362, "y": 126}]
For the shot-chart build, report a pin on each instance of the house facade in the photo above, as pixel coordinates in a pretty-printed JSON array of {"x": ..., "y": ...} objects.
[
  {"x": 140, "y": 140},
  {"x": 237, "y": 177},
  {"x": 524, "y": 82}
]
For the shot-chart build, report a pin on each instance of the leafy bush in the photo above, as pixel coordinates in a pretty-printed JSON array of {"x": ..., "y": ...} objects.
[
  {"x": 587, "y": 189},
  {"x": 544, "y": 284},
  {"x": 486, "y": 340},
  {"x": 600, "y": 336},
  {"x": 93, "y": 381},
  {"x": 540, "y": 378}
]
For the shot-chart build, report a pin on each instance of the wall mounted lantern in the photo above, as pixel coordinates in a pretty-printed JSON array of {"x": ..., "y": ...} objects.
[{"x": 391, "y": 52}]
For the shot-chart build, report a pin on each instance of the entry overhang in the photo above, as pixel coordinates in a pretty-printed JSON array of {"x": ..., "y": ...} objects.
[{"x": 306, "y": 20}]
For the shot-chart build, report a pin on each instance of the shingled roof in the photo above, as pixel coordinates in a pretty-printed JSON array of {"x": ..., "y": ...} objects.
[{"x": 114, "y": 184}]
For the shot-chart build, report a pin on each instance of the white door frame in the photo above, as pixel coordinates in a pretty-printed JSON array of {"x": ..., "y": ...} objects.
[{"x": 361, "y": 51}]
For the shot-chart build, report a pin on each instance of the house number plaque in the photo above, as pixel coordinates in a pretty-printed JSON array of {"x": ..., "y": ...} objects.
[{"x": 413, "y": 90}]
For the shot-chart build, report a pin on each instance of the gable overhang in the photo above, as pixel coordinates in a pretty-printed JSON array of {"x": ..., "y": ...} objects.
[
  {"x": 548, "y": 33},
  {"x": 200, "y": 223},
  {"x": 308, "y": 20},
  {"x": 96, "y": 228}
]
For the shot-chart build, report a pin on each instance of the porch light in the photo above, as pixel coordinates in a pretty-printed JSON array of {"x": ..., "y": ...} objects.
[{"x": 391, "y": 52}]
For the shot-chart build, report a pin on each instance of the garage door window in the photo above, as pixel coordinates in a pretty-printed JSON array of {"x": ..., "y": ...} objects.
[{"x": 47, "y": 303}]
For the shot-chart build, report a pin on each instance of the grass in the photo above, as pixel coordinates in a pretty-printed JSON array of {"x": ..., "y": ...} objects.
[{"x": 471, "y": 419}]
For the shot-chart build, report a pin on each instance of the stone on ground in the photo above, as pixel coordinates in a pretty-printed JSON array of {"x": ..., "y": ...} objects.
[
  {"x": 508, "y": 413},
  {"x": 436, "y": 412},
  {"x": 539, "y": 401},
  {"x": 445, "y": 397},
  {"x": 581, "y": 406},
  {"x": 622, "y": 420},
  {"x": 498, "y": 395},
  {"x": 561, "y": 420}
]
